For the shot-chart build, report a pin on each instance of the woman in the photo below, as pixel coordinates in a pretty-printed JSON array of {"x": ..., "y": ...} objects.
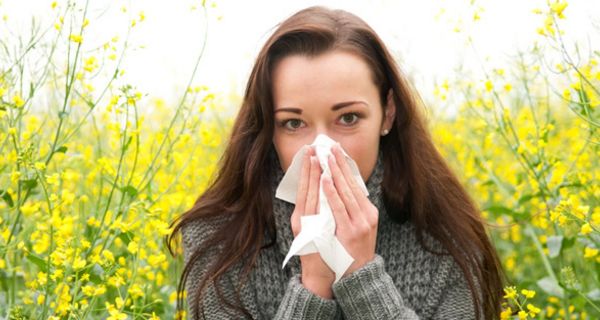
[{"x": 419, "y": 244}]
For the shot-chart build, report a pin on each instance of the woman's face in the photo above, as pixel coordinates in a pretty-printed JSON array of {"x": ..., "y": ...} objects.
[{"x": 332, "y": 94}]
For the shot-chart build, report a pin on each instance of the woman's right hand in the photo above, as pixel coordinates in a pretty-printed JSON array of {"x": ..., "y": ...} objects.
[{"x": 317, "y": 277}]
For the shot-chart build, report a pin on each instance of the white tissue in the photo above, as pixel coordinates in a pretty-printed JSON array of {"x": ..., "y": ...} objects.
[{"x": 317, "y": 232}]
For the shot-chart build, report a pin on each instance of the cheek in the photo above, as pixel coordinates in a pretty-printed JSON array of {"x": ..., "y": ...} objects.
[
  {"x": 286, "y": 149},
  {"x": 364, "y": 154}
]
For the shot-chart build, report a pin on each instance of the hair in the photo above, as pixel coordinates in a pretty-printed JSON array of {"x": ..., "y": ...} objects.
[{"x": 422, "y": 187}]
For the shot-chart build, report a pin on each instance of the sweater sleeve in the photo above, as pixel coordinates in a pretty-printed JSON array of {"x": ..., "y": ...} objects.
[
  {"x": 370, "y": 293},
  {"x": 300, "y": 303},
  {"x": 297, "y": 303}
]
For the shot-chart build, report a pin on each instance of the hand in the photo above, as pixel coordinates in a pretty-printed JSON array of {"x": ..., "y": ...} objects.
[
  {"x": 317, "y": 277},
  {"x": 355, "y": 216}
]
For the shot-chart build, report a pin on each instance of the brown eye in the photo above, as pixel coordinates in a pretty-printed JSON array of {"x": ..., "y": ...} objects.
[
  {"x": 348, "y": 118},
  {"x": 295, "y": 124}
]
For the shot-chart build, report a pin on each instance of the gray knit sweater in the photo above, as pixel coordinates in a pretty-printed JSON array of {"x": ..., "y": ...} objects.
[{"x": 403, "y": 281}]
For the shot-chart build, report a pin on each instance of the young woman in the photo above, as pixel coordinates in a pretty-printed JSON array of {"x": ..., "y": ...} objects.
[{"x": 418, "y": 241}]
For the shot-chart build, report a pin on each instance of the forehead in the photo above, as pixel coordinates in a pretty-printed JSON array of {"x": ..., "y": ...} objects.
[{"x": 325, "y": 78}]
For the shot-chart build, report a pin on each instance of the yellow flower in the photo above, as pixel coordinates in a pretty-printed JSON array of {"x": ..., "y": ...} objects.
[
  {"x": 489, "y": 86},
  {"x": 115, "y": 314},
  {"x": 132, "y": 247},
  {"x": 40, "y": 299},
  {"x": 76, "y": 38},
  {"x": 590, "y": 252},
  {"x": 18, "y": 101},
  {"x": 154, "y": 316},
  {"x": 79, "y": 263},
  {"x": 522, "y": 315},
  {"x": 567, "y": 94},
  {"x": 510, "y": 293},
  {"x": 550, "y": 311},
  {"x": 108, "y": 256},
  {"x": 90, "y": 64},
  {"x": 528, "y": 293},
  {"x": 533, "y": 310},
  {"x": 119, "y": 302},
  {"x": 558, "y": 8},
  {"x": 40, "y": 165},
  {"x": 586, "y": 229}
]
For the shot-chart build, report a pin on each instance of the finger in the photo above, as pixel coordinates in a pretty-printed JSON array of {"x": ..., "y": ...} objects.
[
  {"x": 303, "y": 182},
  {"x": 344, "y": 191},
  {"x": 359, "y": 195},
  {"x": 335, "y": 202},
  {"x": 312, "y": 197}
]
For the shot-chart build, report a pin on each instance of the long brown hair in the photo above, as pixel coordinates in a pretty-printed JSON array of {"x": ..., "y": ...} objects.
[{"x": 421, "y": 184}]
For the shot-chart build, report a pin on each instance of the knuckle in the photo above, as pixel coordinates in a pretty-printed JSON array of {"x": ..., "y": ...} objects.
[
  {"x": 372, "y": 221},
  {"x": 363, "y": 229}
]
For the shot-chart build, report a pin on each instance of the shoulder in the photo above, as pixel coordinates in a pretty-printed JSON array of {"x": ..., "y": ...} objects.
[{"x": 196, "y": 231}]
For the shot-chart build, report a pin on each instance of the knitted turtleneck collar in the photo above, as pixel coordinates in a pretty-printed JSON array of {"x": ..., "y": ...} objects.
[{"x": 282, "y": 210}]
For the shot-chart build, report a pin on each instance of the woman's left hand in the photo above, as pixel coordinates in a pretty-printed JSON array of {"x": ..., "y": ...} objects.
[{"x": 355, "y": 216}]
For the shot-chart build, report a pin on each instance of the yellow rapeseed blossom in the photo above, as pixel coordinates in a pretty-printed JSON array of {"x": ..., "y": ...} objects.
[
  {"x": 590, "y": 252},
  {"x": 528, "y": 293},
  {"x": 115, "y": 314},
  {"x": 586, "y": 229},
  {"x": 76, "y": 38},
  {"x": 108, "y": 256},
  {"x": 558, "y": 8},
  {"x": 79, "y": 263},
  {"x": 132, "y": 247},
  {"x": 90, "y": 64},
  {"x": 18, "y": 101},
  {"x": 533, "y": 310},
  {"x": 510, "y": 293},
  {"x": 489, "y": 86}
]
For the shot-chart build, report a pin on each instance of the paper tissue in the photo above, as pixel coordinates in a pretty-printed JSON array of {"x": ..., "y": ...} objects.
[{"x": 317, "y": 233}]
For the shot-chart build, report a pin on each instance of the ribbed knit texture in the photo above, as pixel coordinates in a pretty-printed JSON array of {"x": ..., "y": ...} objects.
[{"x": 403, "y": 281}]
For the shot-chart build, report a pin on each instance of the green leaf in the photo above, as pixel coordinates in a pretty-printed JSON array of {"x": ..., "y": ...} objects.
[
  {"x": 41, "y": 263},
  {"x": 554, "y": 244},
  {"x": 130, "y": 190},
  {"x": 126, "y": 236},
  {"x": 29, "y": 183},
  {"x": 551, "y": 287},
  {"x": 527, "y": 197},
  {"x": 62, "y": 149},
  {"x": 500, "y": 210},
  {"x": 7, "y": 198},
  {"x": 126, "y": 146}
]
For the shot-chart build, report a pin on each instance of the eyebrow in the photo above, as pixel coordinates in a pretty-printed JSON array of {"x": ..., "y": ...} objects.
[{"x": 335, "y": 107}]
